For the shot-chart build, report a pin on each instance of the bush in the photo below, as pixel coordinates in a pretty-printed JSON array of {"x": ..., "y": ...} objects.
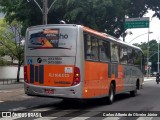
[{"x": 4, "y": 63}]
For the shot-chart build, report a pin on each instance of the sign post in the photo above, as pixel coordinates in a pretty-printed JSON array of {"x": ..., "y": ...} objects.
[{"x": 137, "y": 23}]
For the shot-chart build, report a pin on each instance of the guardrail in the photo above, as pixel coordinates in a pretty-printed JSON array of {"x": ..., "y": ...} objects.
[{"x": 10, "y": 80}]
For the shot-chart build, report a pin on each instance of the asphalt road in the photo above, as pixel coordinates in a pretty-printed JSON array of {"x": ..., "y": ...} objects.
[{"x": 147, "y": 99}]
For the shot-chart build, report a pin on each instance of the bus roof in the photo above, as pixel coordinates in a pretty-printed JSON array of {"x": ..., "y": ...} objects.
[{"x": 87, "y": 29}]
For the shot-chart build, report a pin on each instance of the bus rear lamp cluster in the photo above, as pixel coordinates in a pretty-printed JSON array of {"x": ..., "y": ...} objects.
[
  {"x": 25, "y": 74},
  {"x": 76, "y": 78}
]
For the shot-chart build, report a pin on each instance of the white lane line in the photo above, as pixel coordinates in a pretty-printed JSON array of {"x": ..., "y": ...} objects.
[
  {"x": 17, "y": 109},
  {"x": 145, "y": 118},
  {"x": 5, "y": 91},
  {"x": 111, "y": 118},
  {"x": 43, "y": 109},
  {"x": 79, "y": 118},
  {"x": 62, "y": 113},
  {"x": 46, "y": 118},
  {"x": 82, "y": 117},
  {"x": 58, "y": 114}
]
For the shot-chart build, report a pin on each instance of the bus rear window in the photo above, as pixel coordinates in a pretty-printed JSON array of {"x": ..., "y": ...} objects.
[{"x": 50, "y": 39}]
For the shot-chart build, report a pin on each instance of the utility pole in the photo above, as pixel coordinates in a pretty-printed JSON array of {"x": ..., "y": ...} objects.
[
  {"x": 44, "y": 9},
  {"x": 158, "y": 56},
  {"x": 148, "y": 66}
]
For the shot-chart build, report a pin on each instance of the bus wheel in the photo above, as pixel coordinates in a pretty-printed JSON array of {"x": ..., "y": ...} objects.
[
  {"x": 133, "y": 93},
  {"x": 111, "y": 94}
]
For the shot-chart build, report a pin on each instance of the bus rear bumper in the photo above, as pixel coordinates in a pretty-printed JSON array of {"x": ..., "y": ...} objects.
[{"x": 56, "y": 92}]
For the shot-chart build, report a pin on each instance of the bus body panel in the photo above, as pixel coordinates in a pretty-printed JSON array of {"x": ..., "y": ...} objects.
[
  {"x": 50, "y": 67},
  {"x": 131, "y": 75},
  {"x": 50, "y": 75},
  {"x": 95, "y": 80},
  {"x": 58, "y": 92},
  {"x": 98, "y": 77}
]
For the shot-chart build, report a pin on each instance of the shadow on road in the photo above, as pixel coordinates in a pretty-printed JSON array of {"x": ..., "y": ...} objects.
[{"x": 85, "y": 104}]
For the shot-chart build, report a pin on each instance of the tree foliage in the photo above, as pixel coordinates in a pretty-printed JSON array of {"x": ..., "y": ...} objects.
[
  {"x": 10, "y": 41},
  {"x": 153, "y": 50},
  {"x": 103, "y": 15}
]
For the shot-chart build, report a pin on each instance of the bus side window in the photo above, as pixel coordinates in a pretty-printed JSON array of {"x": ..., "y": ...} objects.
[
  {"x": 114, "y": 52},
  {"x": 94, "y": 55},
  {"x": 130, "y": 56},
  {"x": 87, "y": 49},
  {"x": 137, "y": 58},
  {"x": 104, "y": 50},
  {"x": 123, "y": 55}
]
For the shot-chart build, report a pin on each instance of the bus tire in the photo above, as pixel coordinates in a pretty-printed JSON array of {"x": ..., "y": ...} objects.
[
  {"x": 111, "y": 94},
  {"x": 157, "y": 82},
  {"x": 133, "y": 93}
]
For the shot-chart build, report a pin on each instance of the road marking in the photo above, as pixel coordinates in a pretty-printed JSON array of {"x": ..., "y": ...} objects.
[
  {"x": 46, "y": 118},
  {"x": 17, "y": 109},
  {"x": 145, "y": 118},
  {"x": 111, "y": 118},
  {"x": 79, "y": 118},
  {"x": 82, "y": 117},
  {"x": 62, "y": 113},
  {"x": 1, "y": 101},
  {"x": 5, "y": 91},
  {"x": 44, "y": 109}
]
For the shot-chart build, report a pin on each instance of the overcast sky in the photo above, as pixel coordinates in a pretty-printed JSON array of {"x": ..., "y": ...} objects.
[
  {"x": 154, "y": 27},
  {"x": 1, "y": 15}
]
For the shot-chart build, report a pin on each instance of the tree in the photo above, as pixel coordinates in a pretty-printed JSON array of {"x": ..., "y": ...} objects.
[
  {"x": 10, "y": 39},
  {"x": 103, "y": 15},
  {"x": 152, "y": 52}
]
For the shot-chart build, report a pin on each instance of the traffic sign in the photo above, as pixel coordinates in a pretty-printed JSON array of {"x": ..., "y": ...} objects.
[{"x": 137, "y": 22}]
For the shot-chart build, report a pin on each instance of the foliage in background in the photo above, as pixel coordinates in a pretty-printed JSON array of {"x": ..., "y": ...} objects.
[
  {"x": 10, "y": 42},
  {"x": 153, "y": 50},
  {"x": 4, "y": 62},
  {"x": 103, "y": 15}
]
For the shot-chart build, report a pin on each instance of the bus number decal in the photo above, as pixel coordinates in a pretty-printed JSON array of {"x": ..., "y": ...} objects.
[{"x": 58, "y": 75}]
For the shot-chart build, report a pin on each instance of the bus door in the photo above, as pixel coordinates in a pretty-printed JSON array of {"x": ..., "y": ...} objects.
[{"x": 50, "y": 56}]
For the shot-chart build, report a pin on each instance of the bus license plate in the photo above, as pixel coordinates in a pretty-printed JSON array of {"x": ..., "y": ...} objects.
[{"x": 49, "y": 91}]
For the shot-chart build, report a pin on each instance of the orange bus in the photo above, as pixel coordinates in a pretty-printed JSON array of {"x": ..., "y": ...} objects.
[{"x": 76, "y": 62}]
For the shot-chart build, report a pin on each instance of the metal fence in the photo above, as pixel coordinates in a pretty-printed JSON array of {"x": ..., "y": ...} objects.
[{"x": 10, "y": 80}]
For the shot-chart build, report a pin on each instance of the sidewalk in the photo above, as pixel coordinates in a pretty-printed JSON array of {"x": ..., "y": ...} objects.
[
  {"x": 13, "y": 92},
  {"x": 11, "y": 86},
  {"x": 10, "y": 92},
  {"x": 149, "y": 78}
]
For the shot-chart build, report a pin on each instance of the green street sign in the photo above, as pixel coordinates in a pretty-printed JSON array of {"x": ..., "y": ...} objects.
[{"x": 137, "y": 23}]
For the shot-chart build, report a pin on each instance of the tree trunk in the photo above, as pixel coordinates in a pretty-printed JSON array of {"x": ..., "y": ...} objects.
[
  {"x": 18, "y": 71},
  {"x": 12, "y": 60}
]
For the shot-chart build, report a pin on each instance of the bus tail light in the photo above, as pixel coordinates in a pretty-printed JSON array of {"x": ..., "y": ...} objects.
[
  {"x": 76, "y": 78},
  {"x": 25, "y": 74}
]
